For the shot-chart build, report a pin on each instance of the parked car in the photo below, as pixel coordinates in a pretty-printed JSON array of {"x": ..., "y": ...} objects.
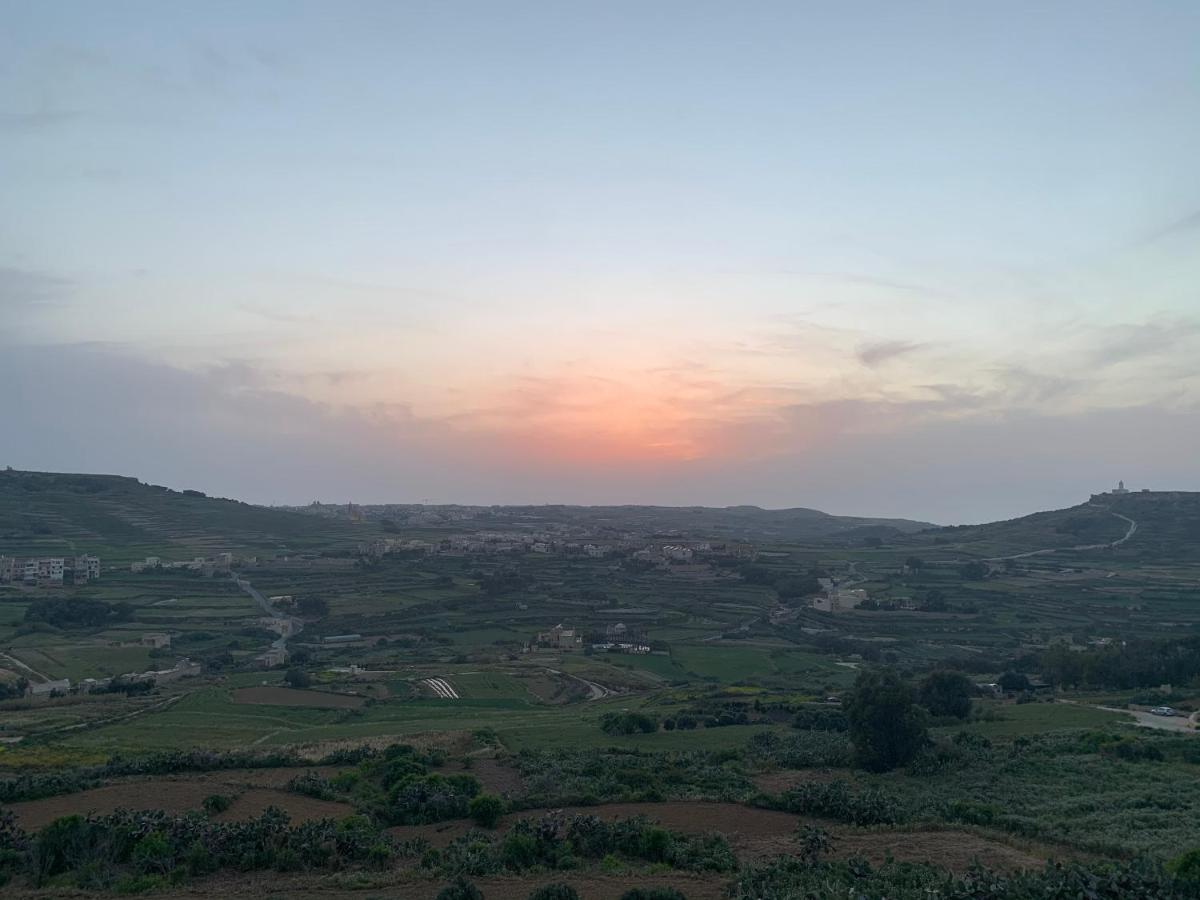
[{"x": 1163, "y": 711}]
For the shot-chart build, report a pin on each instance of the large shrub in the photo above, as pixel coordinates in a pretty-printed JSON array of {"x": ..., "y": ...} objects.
[
  {"x": 946, "y": 693},
  {"x": 628, "y": 722},
  {"x": 887, "y": 727},
  {"x": 486, "y": 810}
]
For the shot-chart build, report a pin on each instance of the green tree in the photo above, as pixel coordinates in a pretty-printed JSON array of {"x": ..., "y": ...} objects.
[
  {"x": 973, "y": 571},
  {"x": 1013, "y": 682},
  {"x": 946, "y": 693},
  {"x": 914, "y": 564},
  {"x": 486, "y": 810},
  {"x": 887, "y": 728},
  {"x": 297, "y": 678}
]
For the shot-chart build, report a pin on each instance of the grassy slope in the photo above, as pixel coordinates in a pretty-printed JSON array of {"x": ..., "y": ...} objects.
[{"x": 121, "y": 519}]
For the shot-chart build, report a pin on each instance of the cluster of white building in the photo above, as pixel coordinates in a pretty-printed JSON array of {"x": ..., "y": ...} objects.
[
  {"x": 49, "y": 571},
  {"x": 184, "y": 668},
  {"x": 206, "y": 565}
]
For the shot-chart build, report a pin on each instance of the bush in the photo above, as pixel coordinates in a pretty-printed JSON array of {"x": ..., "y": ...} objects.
[
  {"x": 557, "y": 891},
  {"x": 216, "y": 803},
  {"x": 486, "y": 810},
  {"x": 835, "y": 800},
  {"x": 654, "y": 893},
  {"x": 460, "y": 889},
  {"x": 946, "y": 693},
  {"x": 628, "y": 723},
  {"x": 820, "y": 718},
  {"x": 297, "y": 678},
  {"x": 887, "y": 728},
  {"x": 803, "y": 750},
  {"x": 310, "y": 784},
  {"x": 423, "y": 799},
  {"x": 1186, "y": 867}
]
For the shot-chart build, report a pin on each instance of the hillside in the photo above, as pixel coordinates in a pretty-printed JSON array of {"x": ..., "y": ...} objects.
[
  {"x": 1168, "y": 527},
  {"x": 121, "y": 518},
  {"x": 745, "y": 523}
]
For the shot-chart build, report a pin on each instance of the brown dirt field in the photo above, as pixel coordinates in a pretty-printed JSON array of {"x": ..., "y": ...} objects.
[
  {"x": 497, "y": 778},
  {"x": 778, "y": 782},
  {"x": 268, "y": 778},
  {"x": 453, "y": 742},
  {"x": 763, "y": 833},
  {"x": 264, "y": 695},
  {"x": 402, "y": 886},
  {"x": 176, "y": 796},
  {"x": 254, "y": 802}
]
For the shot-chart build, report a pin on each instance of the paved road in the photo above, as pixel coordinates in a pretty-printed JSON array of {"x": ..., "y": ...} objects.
[
  {"x": 595, "y": 691},
  {"x": 280, "y": 643},
  {"x": 1133, "y": 527}
]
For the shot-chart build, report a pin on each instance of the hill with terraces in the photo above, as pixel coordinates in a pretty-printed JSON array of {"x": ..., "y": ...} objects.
[{"x": 120, "y": 519}]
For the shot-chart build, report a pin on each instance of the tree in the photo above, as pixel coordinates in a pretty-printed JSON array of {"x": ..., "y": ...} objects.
[
  {"x": 973, "y": 571},
  {"x": 297, "y": 678},
  {"x": 946, "y": 693},
  {"x": 1012, "y": 682},
  {"x": 887, "y": 728},
  {"x": 486, "y": 810},
  {"x": 914, "y": 564}
]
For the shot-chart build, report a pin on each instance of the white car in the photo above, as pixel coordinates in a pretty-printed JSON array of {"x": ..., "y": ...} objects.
[{"x": 1163, "y": 711}]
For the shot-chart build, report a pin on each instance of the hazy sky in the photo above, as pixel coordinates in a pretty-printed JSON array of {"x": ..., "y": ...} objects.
[{"x": 939, "y": 260}]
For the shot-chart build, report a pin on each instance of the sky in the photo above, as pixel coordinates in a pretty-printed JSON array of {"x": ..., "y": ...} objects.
[{"x": 937, "y": 260}]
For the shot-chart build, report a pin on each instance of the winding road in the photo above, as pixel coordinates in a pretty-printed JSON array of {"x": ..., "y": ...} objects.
[{"x": 1133, "y": 527}]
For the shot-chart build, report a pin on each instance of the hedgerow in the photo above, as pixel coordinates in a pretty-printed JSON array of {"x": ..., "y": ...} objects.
[
  {"x": 121, "y": 848},
  {"x": 788, "y": 878},
  {"x": 836, "y": 800},
  {"x": 556, "y": 843},
  {"x": 584, "y": 777},
  {"x": 35, "y": 786}
]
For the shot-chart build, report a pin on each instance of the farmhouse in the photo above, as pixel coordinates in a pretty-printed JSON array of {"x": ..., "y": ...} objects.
[
  {"x": 45, "y": 688},
  {"x": 558, "y": 638}
]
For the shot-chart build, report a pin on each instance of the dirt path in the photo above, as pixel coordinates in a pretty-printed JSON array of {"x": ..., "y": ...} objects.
[{"x": 1145, "y": 719}]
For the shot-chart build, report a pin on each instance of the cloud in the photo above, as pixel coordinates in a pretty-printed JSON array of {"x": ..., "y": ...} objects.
[
  {"x": 26, "y": 289},
  {"x": 875, "y": 354},
  {"x": 1122, "y": 343},
  {"x": 948, "y": 457},
  {"x": 1188, "y": 225},
  {"x": 35, "y": 121}
]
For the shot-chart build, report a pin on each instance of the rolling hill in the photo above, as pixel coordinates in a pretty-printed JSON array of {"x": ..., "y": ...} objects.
[
  {"x": 120, "y": 519},
  {"x": 1167, "y": 527}
]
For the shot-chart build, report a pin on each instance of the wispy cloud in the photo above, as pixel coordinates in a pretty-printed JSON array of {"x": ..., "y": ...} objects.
[
  {"x": 879, "y": 352},
  {"x": 29, "y": 289},
  {"x": 1188, "y": 225},
  {"x": 1123, "y": 343}
]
